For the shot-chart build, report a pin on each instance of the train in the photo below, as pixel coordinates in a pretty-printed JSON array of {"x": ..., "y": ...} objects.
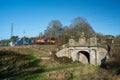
[
  {"x": 44, "y": 41},
  {"x": 38, "y": 41}
]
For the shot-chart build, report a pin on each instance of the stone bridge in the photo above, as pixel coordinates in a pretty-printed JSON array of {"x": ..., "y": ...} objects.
[{"x": 87, "y": 53}]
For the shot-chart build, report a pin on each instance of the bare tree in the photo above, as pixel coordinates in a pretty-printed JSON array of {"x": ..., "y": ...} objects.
[
  {"x": 54, "y": 29},
  {"x": 80, "y": 25}
]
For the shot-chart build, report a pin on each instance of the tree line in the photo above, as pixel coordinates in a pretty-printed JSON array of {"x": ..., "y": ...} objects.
[{"x": 63, "y": 33}]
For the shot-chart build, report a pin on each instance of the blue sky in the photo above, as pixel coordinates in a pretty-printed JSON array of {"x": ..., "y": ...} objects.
[{"x": 33, "y": 16}]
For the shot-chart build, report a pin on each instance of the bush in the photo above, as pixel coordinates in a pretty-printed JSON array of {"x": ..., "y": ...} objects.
[{"x": 61, "y": 60}]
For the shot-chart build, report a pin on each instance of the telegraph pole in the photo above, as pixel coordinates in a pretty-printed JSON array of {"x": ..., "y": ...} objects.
[
  {"x": 12, "y": 24},
  {"x": 11, "y": 43},
  {"x": 24, "y": 35}
]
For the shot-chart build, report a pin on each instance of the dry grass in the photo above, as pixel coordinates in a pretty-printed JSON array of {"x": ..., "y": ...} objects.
[
  {"x": 114, "y": 62},
  {"x": 57, "y": 71}
]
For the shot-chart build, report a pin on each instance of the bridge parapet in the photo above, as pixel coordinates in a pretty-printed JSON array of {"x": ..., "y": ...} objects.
[
  {"x": 84, "y": 40},
  {"x": 87, "y": 45}
]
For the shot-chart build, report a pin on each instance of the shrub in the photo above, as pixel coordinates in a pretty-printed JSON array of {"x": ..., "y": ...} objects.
[{"x": 61, "y": 60}]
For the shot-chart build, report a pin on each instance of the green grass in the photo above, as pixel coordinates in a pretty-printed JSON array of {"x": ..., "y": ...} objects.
[
  {"x": 62, "y": 66},
  {"x": 15, "y": 65},
  {"x": 32, "y": 77}
]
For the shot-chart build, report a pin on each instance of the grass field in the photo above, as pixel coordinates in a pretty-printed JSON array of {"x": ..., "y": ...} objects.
[{"x": 22, "y": 63}]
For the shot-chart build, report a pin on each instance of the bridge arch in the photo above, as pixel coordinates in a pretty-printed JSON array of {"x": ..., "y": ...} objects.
[{"x": 84, "y": 57}]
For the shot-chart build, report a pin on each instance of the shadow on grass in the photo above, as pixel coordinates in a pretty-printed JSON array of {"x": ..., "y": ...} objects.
[{"x": 14, "y": 65}]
